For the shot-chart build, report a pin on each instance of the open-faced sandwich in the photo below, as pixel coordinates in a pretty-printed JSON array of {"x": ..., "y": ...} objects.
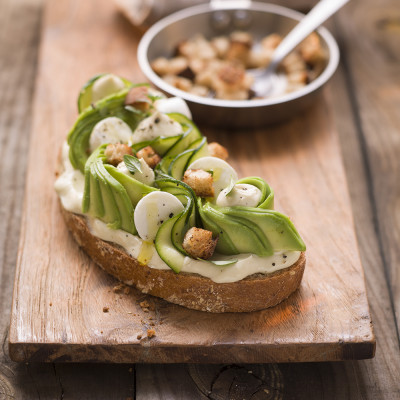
[{"x": 159, "y": 208}]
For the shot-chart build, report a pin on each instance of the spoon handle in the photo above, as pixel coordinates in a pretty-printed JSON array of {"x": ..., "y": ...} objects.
[{"x": 319, "y": 14}]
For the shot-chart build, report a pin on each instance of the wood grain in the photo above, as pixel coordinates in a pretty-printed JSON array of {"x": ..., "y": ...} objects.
[
  {"x": 60, "y": 317},
  {"x": 370, "y": 379},
  {"x": 378, "y": 90}
]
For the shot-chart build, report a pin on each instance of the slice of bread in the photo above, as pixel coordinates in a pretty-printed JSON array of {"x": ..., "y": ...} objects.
[{"x": 253, "y": 293}]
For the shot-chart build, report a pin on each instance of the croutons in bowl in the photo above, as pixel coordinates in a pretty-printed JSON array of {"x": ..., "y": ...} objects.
[{"x": 203, "y": 53}]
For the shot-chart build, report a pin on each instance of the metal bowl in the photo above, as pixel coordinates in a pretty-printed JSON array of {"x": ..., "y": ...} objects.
[{"x": 217, "y": 18}]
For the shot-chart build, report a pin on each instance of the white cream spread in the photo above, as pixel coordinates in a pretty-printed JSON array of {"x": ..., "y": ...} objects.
[
  {"x": 158, "y": 124},
  {"x": 70, "y": 184},
  {"x": 146, "y": 253},
  {"x": 242, "y": 194}
]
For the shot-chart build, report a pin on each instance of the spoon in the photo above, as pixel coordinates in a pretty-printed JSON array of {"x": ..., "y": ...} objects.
[{"x": 268, "y": 79}]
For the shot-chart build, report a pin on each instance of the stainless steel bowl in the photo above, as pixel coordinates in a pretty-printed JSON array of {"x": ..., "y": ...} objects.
[{"x": 218, "y": 18}]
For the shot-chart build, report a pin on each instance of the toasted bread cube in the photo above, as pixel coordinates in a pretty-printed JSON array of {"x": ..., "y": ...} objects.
[
  {"x": 230, "y": 76},
  {"x": 217, "y": 150},
  {"x": 199, "y": 90},
  {"x": 200, "y": 181},
  {"x": 178, "y": 82},
  {"x": 197, "y": 65},
  {"x": 238, "y": 94},
  {"x": 271, "y": 41},
  {"x": 259, "y": 58},
  {"x": 239, "y": 47},
  {"x": 160, "y": 66},
  {"x": 221, "y": 45},
  {"x": 197, "y": 47},
  {"x": 138, "y": 98},
  {"x": 298, "y": 77},
  {"x": 311, "y": 49},
  {"x": 174, "y": 66},
  {"x": 199, "y": 243},
  {"x": 293, "y": 63},
  {"x": 115, "y": 153},
  {"x": 149, "y": 155},
  {"x": 205, "y": 78}
]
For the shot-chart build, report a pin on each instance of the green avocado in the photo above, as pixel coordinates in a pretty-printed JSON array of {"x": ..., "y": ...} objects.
[
  {"x": 267, "y": 194},
  {"x": 85, "y": 94},
  {"x": 135, "y": 189},
  {"x": 108, "y": 199},
  {"x": 112, "y": 106},
  {"x": 109, "y": 194},
  {"x": 236, "y": 235},
  {"x": 276, "y": 228}
]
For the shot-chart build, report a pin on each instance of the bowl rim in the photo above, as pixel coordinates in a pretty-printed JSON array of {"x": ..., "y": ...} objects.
[{"x": 149, "y": 35}]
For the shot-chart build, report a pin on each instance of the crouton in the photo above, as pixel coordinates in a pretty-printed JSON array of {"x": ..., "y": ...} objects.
[
  {"x": 232, "y": 82},
  {"x": 173, "y": 66},
  {"x": 138, "y": 97},
  {"x": 241, "y": 94},
  {"x": 221, "y": 45},
  {"x": 217, "y": 150},
  {"x": 239, "y": 47},
  {"x": 298, "y": 77},
  {"x": 311, "y": 49},
  {"x": 179, "y": 82},
  {"x": 199, "y": 90},
  {"x": 197, "y": 47},
  {"x": 115, "y": 153},
  {"x": 149, "y": 155},
  {"x": 293, "y": 63},
  {"x": 199, "y": 243},
  {"x": 259, "y": 58},
  {"x": 231, "y": 76},
  {"x": 271, "y": 41},
  {"x": 200, "y": 181}
]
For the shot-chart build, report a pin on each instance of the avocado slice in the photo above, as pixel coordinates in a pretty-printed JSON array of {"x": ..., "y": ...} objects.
[
  {"x": 85, "y": 94},
  {"x": 276, "y": 227},
  {"x": 78, "y": 137},
  {"x": 105, "y": 197},
  {"x": 245, "y": 236},
  {"x": 267, "y": 194},
  {"x": 225, "y": 244},
  {"x": 135, "y": 189}
]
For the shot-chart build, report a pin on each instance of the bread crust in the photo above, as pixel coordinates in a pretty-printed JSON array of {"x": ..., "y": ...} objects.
[{"x": 194, "y": 291}]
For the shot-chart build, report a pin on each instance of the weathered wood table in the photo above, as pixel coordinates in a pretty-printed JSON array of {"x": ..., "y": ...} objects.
[{"x": 362, "y": 101}]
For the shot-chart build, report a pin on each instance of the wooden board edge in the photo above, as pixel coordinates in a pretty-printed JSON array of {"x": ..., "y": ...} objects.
[{"x": 146, "y": 352}]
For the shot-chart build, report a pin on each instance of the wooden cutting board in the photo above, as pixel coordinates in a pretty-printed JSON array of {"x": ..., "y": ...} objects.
[{"x": 60, "y": 296}]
